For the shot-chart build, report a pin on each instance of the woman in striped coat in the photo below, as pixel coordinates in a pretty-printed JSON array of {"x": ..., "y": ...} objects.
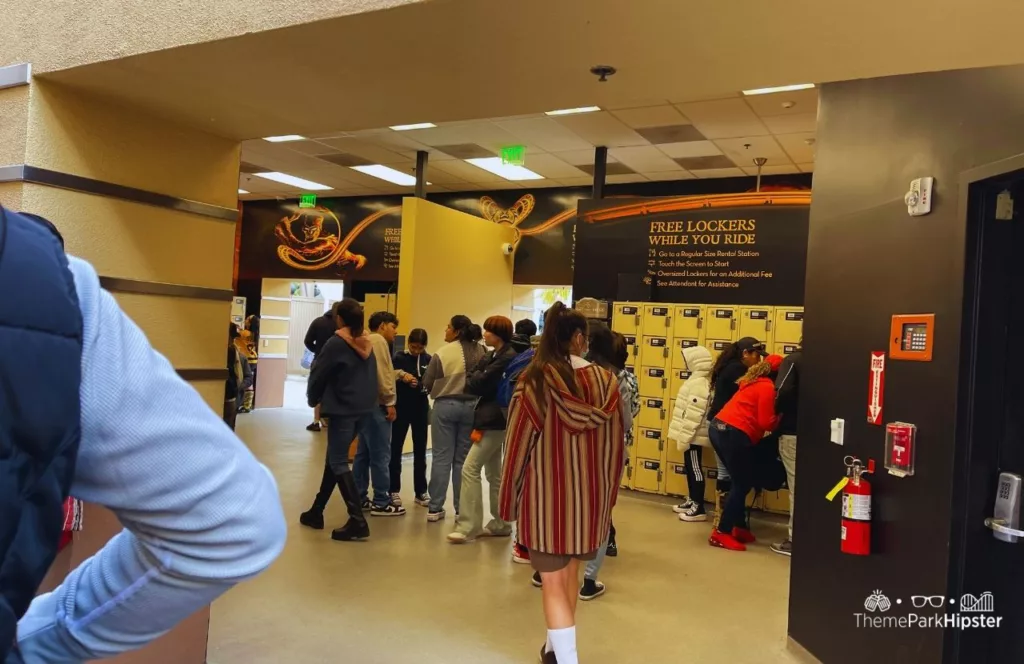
[{"x": 563, "y": 463}]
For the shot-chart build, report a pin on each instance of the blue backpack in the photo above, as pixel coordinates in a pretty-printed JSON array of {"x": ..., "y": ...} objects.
[
  {"x": 511, "y": 376},
  {"x": 40, "y": 376}
]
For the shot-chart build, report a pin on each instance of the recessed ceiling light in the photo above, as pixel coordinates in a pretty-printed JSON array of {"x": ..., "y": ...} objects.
[
  {"x": 507, "y": 171},
  {"x": 387, "y": 173},
  {"x": 242, "y": 191},
  {"x": 418, "y": 125},
  {"x": 285, "y": 138},
  {"x": 572, "y": 111},
  {"x": 293, "y": 181},
  {"x": 783, "y": 88}
]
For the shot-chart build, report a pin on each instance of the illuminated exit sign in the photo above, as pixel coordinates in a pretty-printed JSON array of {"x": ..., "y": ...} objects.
[
  {"x": 514, "y": 155},
  {"x": 307, "y": 201}
]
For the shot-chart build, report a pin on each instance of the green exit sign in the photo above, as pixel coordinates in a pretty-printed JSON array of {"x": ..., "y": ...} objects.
[
  {"x": 307, "y": 201},
  {"x": 514, "y": 155}
]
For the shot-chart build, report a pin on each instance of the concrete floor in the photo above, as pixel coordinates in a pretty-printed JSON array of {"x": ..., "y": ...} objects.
[{"x": 405, "y": 595}]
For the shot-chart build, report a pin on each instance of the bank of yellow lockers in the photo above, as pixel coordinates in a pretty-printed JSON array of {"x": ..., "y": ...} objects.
[
  {"x": 756, "y": 322},
  {"x": 789, "y": 329},
  {"x": 626, "y": 321}
]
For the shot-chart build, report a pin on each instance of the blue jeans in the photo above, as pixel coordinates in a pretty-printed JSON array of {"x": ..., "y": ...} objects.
[
  {"x": 594, "y": 566},
  {"x": 373, "y": 458},
  {"x": 450, "y": 439}
]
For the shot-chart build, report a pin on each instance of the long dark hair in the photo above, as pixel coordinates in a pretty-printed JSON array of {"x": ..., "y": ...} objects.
[
  {"x": 730, "y": 354},
  {"x": 466, "y": 329},
  {"x": 350, "y": 314},
  {"x": 417, "y": 336},
  {"x": 560, "y": 325},
  {"x": 608, "y": 348}
]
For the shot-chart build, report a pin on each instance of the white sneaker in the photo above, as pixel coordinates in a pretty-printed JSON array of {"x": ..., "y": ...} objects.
[
  {"x": 456, "y": 537},
  {"x": 423, "y": 500},
  {"x": 434, "y": 517},
  {"x": 683, "y": 506},
  {"x": 396, "y": 499},
  {"x": 694, "y": 513}
]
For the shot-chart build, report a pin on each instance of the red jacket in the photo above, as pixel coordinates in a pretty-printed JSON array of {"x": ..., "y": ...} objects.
[{"x": 752, "y": 410}]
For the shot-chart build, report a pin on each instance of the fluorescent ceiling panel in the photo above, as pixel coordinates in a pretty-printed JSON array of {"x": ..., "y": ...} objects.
[
  {"x": 418, "y": 125},
  {"x": 293, "y": 181},
  {"x": 285, "y": 138},
  {"x": 387, "y": 173},
  {"x": 782, "y": 88},
  {"x": 507, "y": 171},
  {"x": 242, "y": 191},
  {"x": 573, "y": 111}
]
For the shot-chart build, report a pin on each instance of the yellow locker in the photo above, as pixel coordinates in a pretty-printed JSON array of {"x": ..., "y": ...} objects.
[
  {"x": 789, "y": 324},
  {"x": 626, "y": 318},
  {"x": 678, "y": 377},
  {"x": 653, "y": 381},
  {"x": 648, "y": 476},
  {"x": 675, "y": 480},
  {"x": 654, "y": 352},
  {"x": 716, "y": 348},
  {"x": 648, "y": 443},
  {"x": 688, "y": 321},
  {"x": 632, "y": 351},
  {"x": 627, "y": 474},
  {"x": 785, "y": 349},
  {"x": 672, "y": 452},
  {"x": 677, "y": 351},
  {"x": 652, "y": 413},
  {"x": 756, "y": 322},
  {"x": 721, "y": 323},
  {"x": 657, "y": 320}
]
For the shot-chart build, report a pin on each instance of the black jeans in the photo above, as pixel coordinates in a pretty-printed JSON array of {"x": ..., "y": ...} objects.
[
  {"x": 695, "y": 474},
  {"x": 340, "y": 433},
  {"x": 735, "y": 450},
  {"x": 413, "y": 417}
]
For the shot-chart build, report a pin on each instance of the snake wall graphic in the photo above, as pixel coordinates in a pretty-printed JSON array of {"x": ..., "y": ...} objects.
[{"x": 360, "y": 238}]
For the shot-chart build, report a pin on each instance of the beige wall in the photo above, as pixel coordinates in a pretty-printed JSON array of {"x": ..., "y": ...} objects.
[{"x": 451, "y": 264}]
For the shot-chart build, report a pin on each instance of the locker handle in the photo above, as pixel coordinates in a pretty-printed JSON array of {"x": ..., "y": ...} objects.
[
  {"x": 668, "y": 321},
  {"x": 700, "y": 322},
  {"x": 664, "y": 352},
  {"x": 636, "y": 320},
  {"x": 661, "y": 446},
  {"x": 732, "y": 324},
  {"x": 664, "y": 383},
  {"x": 662, "y": 413},
  {"x": 659, "y": 477},
  {"x": 768, "y": 326}
]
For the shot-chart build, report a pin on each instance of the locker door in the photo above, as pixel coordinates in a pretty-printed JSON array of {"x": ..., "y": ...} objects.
[
  {"x": 653, "y": 381},
  {"x": 648, "y": 443},
  {"x": 657, "y": 320},
  {"x": 720, "y": 324},
  {"x": 652, "y": 414},
  {"x": 632, "y": 350},
  {"x": 647, "y": 476},
  {"x": 688, "y": 321},
  {"x": 654, "y": 352},
  {"x": 677, "y": 351},
  {"x": 756, "y": 322},
  {"x": 675, "y": 480},
  {"x": 784, "y": 349},
  {"x": 627, "y": 474},
  {"x": 716, "y": 348},
  {"x": 789, "y": 324},
  {"x": 672, "y": 452},
  {"x": 626, "y": 317},
  {"x": 679, "y": 376}
]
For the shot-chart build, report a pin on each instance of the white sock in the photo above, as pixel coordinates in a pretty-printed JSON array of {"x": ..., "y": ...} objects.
[
  {"x": 563, "y": 642},
  {"x": 547, "y": 644}
]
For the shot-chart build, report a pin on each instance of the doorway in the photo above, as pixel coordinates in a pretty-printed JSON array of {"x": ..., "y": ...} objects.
[{"x": 987, "y": 574}]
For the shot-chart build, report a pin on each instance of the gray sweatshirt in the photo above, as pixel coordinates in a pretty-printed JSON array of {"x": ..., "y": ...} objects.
[{"x": 446, "y": 373}]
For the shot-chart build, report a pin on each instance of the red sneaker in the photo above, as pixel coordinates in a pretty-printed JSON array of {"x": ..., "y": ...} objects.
[
  {"x": 744, "y": 535},
  {"x": 726, "y": 541},
  {"x": 520, "y": 554}
]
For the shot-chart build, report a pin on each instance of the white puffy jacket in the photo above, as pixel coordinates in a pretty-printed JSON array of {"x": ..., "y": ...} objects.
[{"x": 689, "y": 424}]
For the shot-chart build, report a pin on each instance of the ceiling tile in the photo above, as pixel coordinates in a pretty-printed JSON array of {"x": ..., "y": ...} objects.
[
  {"x": 467, "y": 172},
  {"x": 633, "y": 103},
  {"x": 669, "y": 175},
  {"x": 644, "y": 158},
  {"x": 550, "y": 166},
  {"x": 690, "y": 149},
  {"x": 718, "y": 173},
  {"x": 796, "y": 146},
  {"x": 804, "y": 101},
  {"x": 724, "y": 118},
  {"x": 671, "y": 134},
  {"x": 481, "y": 132},
  {"x": 625, "y": 179},
  {"x": 345, "y": 159},
  {"x": 545, "y": 134},
  {"x": 759, "y": 146},
  {"x": 791, "y": 124},
  {"x": 601, "y": 129},
  {"x": 576, "y": 182},
  {"x": 708, "y": 97},
  {"x": 309, "y": 147},
  {"x": 806, "y": 168},
  {"x": 465, "y": 151},
  {"x": 612, "y": 168},
  {"x": 784, "y": 169},
  {"x": 579, "y": 157},
  {"x": 704, "y": 163},
  {"x": 652, "y": 116},
  {"x": 367, "y": 150}
]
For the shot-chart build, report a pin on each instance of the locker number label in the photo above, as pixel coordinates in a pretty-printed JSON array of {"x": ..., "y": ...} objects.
[
  {"x": 653, "y": 434},
  {"x": 723, "y": 313},
  {"x": 691, "y": 313},
  {"x": 654, "y": 403},
  {"x": 787, "y": 349},
  {"x": 684, "y": 374},
  {"x": 659, "y": 311},
  {"x": 630, "y": 341},
  {"x": 629, "y": 311},
  {"x": 687, "y": 343},
  {"x": 721, "y": 345},
  {"x": 651, "y": 465},
  {"x": 794, "y": 315},
  {"x": 658, "y": 342},
  {"x": 656, "y": 373},
  {"x": 759, "y": 315}
]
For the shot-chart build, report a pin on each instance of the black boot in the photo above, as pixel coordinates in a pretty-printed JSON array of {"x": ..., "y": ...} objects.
[
  {"x": 356, "y": 528},
  {"x": 314, "y": 518}
]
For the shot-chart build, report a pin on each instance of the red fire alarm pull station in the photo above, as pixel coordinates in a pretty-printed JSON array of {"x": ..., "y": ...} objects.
[
  {"x": 911, "y": 337},
  {"x": 900, "y": 448},
  {"x": 876, "y": 388}
]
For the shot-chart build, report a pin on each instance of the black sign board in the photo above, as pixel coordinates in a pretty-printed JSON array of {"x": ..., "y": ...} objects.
[
  {"x": 655, "y": 373},
  {"x": 654, "y": 403},
  {"x": 652, "y": 465},
  {"x": 687, "y": 343},
  {"x": 659, "y": 311},
  {"x": 691, "y": 313},
  {"x": 629, "y": 311},
  {"x": 657, "y": 342},
  {"x": 794, "y": 315},
  {"x": 653, "y": 434},
  {"x": 759, "y": 314}
]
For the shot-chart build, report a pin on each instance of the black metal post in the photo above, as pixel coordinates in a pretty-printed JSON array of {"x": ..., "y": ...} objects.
[
  {"x": 600, "y": 168},
  {"x": 421, "y": 173}
]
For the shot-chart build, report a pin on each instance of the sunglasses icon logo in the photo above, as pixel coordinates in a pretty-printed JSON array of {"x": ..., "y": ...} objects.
[{"x": 935, "y": 601}]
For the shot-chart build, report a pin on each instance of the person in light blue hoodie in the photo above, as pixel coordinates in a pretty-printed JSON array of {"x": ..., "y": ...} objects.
[{"x": 200, "y": 513}]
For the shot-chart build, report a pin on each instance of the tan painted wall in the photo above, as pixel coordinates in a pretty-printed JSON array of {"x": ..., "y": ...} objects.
[
  {"x": 451, "y": 264},
  {"x": 13, "y": 123}
]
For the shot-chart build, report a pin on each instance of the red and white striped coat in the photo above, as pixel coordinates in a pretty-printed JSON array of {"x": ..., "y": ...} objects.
[{"x": 563, "y": 462}]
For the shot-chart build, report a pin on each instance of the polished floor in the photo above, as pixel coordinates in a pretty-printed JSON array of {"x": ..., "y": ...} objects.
[{"x": 406, "y": 596}]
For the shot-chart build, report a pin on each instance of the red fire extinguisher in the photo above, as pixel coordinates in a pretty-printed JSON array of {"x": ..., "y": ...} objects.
[{"x": 856, "y": 522}]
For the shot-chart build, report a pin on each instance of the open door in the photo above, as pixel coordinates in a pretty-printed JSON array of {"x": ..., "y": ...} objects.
[{"x": 988, "y": 560}]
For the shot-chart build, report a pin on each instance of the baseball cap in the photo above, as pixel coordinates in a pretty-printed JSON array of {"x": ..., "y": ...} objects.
[{"x": 752, "y": 345}]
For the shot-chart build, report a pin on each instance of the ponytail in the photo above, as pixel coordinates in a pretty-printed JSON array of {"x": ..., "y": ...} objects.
[
  {"x": 560, "y": 325},
  {"x": 730, "y": 354}
]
